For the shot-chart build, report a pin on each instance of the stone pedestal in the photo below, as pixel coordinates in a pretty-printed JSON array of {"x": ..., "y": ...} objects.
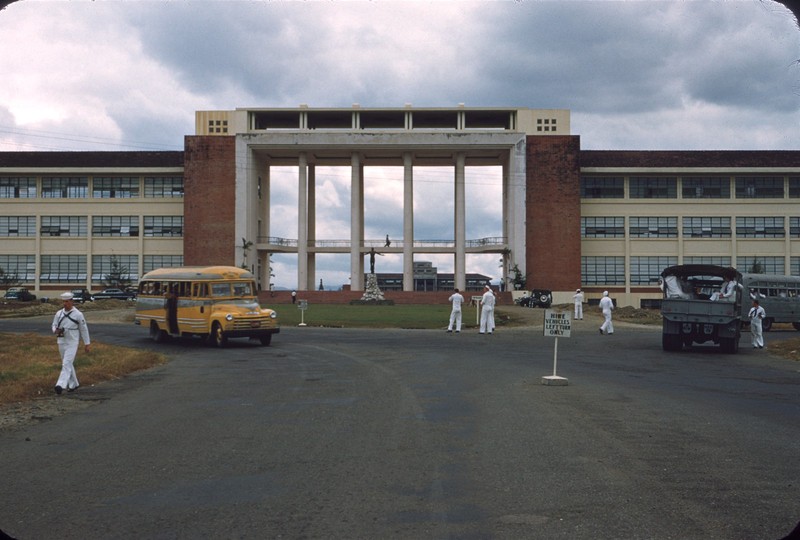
[{"x": 372, "y": 293}]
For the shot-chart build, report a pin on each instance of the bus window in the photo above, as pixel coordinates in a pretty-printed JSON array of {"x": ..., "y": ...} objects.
[
  {"x": 241, "y": 289},
  {"x": 220, "y": 289}
]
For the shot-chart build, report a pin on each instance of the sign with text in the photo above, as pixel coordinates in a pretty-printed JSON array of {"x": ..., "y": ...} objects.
[
  {"x": 302, "y": 305},
  {"x": 557, "y": 323}
]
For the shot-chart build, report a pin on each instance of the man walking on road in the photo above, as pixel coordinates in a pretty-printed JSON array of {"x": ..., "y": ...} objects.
[
  {"x": 69, "y": 326},
  {"x": 606, "y": 306},
  {"x": 756, "y": 315},
  {"x": 578, "y": 299},
  {"x": 455, "y": 316},
  {"x": 487, "y": 311}
]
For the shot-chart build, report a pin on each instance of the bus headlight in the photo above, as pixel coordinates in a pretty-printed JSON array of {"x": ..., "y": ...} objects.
[
  {"x": 229, "y": 317},
  {"x": 273, "y": 315}
]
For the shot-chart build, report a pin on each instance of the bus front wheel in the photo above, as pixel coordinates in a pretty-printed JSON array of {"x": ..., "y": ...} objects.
[
  {"x": 218, "y": 337},
  {"x": 766, "y": 324}
]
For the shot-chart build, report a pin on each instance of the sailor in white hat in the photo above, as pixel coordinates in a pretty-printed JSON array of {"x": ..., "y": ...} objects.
[
  {"x": 578, "y": 299},
  {"x": 606, "y": 306},
  {"x": 69, "y": 326},
  {"x": 487, "y": 311}
]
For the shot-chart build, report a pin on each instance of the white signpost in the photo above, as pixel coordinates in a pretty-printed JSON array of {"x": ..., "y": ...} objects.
[
  {"x": 556, "y": 324},
  {"x": 477, "y": 301},
  {"x": 302, "y": 305}
]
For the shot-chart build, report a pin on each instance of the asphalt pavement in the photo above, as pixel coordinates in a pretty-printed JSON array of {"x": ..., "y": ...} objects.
[{"x": 346, "y": 433}]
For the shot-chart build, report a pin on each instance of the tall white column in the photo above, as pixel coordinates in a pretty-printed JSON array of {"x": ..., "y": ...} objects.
[
  {"x": 408, "y": 222},
  {"x": 460, "y": 274},
  {"x": 312, "y": 225},
  {"x": 263, "y": 233},
  {"x": 302, "y": 222},
  {"x": 514, "y": 181},
  {"x": 356, "y": 223}
]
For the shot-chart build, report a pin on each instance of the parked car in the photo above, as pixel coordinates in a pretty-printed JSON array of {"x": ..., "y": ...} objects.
[
  {"x": 114, "y": 294},
  {"x": 19, "y": 294},
  {"x": 81, "y": 295},
  {"x": 538, "y": 298}
]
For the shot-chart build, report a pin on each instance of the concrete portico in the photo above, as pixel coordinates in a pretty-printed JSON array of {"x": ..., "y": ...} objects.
[{"x": 308, "y": 150}]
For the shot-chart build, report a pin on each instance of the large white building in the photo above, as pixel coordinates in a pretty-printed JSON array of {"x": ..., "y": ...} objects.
[{"x": 571, "y": 218}]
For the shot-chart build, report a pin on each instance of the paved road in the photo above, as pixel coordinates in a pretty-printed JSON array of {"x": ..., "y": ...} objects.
[{"x": 337, "y": 433}]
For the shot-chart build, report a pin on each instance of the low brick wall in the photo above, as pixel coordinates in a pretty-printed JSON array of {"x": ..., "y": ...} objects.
[{"x": 399, "y": 297}]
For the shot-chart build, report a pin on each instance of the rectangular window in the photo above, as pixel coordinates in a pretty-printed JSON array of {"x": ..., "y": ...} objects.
[
  {"x": 794, "y": 187},
  {"x": 63, "y": 269},
  {"x": 163, "y": 226},
  {"x": 602, "y": 187},
  {"x": 760, "y": 227},
  {"x": 63, "y": 226},
  {"x": 105, "y": 267},
  {"x": 602, "y": 270},
  {"x": 115, "y": 187},
  {"x": 761, "y": 265},
  {"x": 706, "y": 227},
  {"x": 718, "y": 261},
  {"x": 705, "y": 187},
  {"x": 794, "y": 227},
  {"x": 151, "y": 262},
  {"x": 653, "y": 187},
  {"x": 65, "y": 187},
  {"x": 653, "y": 227},
  {"x": 17, "y": 226},
  {"x": 759, "y": 187},
  {"x": 603, "y": 227},
  {"x": 161, "y": 187},
  {"x": 115, "y": 226},
  {"x": 795, "y": 266},
  {"x": 647, "y": 270},
  {"x": 12, "y": 187},
  {"x": 19, "y": 267}
]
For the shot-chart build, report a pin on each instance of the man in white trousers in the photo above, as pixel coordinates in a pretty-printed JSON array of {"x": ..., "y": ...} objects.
[
  {"x": 756, "y": 316},
  {"x": 455, "y": 316},
  {"x": 69, "y": 326},
  {"x": 487, "y": 311},
  {"x": 578, "y": 299},
  {"x": 606, "y": 306}
]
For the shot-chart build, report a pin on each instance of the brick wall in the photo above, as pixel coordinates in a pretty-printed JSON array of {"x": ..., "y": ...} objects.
[
  {"x": 209, "y": 201},
  {"x": 553, "y": 224}
]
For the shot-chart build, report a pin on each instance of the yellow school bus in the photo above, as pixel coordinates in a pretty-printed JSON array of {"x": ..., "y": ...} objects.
[{"x": 213, "y": 302}]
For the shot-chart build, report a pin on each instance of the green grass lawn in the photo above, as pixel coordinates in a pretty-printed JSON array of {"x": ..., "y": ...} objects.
[{"x": 365, "y": 316}]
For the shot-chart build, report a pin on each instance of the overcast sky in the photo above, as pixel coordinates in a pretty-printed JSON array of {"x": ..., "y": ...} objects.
[{"x": 635, "y": 75}]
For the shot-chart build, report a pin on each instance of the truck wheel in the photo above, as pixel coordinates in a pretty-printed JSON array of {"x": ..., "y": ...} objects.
[
  {"x": 218, "y": 337},
  {"x": 766, "y": 324},
  {"x": 671, "y": 342},
  {"x": 729, "y": 345},
  {"x": 157, "y": 334}
]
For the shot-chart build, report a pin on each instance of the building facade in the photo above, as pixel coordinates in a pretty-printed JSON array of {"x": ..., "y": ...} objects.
[{"x": 599, "y": 220}]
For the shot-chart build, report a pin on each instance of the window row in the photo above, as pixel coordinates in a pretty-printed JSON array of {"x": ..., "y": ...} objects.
[
  {"x": 72, "y": 268},
  {"x": 97, "y": 187},
  {"x": 647, "y": 270},
  {"x": 692, "y": 227},
  {"x": 154, "y": 226},
  {"x": 689, "y": 187}
]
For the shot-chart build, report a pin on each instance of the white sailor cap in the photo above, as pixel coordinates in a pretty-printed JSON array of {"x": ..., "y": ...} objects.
[{"x": 67, "y": 296}]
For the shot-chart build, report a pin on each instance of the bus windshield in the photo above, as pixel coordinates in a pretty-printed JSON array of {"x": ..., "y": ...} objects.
[{"x": 227, "y": 289}]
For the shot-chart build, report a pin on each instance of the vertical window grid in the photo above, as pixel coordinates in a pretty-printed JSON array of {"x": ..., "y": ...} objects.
[
  {"x": 13, "y": 187},
  {"x": 65, "y": 187},
  {"x": 761, "y": 265},
  {"x": 705, "y": 187},
  {"x": 602, "y": 187},
  {"x": 706, "y": 227},
  {"x": 63, "y": 269},
  {"x": 760, "y": 227},
  {"x": 647, "y": 270},
  {"x": 22, "y": 267},
  {"x": 163, "y": 226},
  {"x": 603, "y": 227},
  {"x": 646, "y": 187},
  {"x": 11, "y": 226},
  {"x": 102, "y": 265},
  {"x": 759, "y": 187},
  {"x": 152, "y": 262},
  {"x": 163, "y": 187},
  {"x": 653, "y": 227},
  {"x": 124, "y": 187},
  {"x": 717, "y": 261},
  {"x": 63, "y": 226},
  {"x": 602, "y": 270},
  {"x": 115, "y": 226}
]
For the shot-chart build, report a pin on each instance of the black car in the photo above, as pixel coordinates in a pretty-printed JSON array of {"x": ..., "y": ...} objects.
[
  {"x": 538, "y": 298},
  {"x": 114, "y": 294},
  {"x": 79, "y": 296},
  {"x": 19, "y": 294}
]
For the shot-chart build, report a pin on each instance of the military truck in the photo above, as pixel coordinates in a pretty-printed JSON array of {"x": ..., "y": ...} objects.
[{"x": 695, "y": 310}]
